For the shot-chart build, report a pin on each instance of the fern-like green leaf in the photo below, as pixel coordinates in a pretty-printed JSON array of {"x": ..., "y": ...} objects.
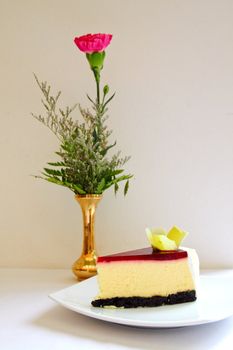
[
  {"x": 104, "y": 152},
  {"x": 101, "y": 186},
  {"x": 126, "y": 187},
  {"x": 110, "y": 98},
  {"x": 116, "y": 188},
  {"x": 53, "y": 172},
  {"x": 56, "y": 164},
  {"x": 116, "y": 172},
  {"x": 78, "y": 189}
]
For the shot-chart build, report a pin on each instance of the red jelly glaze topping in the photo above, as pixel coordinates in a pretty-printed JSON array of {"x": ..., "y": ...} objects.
[{"x": 145, "y": 254}]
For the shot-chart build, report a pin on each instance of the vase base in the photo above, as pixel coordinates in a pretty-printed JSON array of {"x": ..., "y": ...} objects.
[
  {"x": 84, "y": 267},
  {"x": 83, "y": 274}
]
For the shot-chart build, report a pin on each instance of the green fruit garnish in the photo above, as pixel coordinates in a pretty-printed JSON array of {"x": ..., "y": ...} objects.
[
  {"x": 161, "y": 242},
  {"x": 155, "y": 231},
  {"x": 176, "y": 235}
]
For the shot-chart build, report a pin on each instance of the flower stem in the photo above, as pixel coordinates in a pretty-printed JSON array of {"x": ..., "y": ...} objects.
[
  {"x": 98, "y": 92},
  {"x": 97, "y": 79}
]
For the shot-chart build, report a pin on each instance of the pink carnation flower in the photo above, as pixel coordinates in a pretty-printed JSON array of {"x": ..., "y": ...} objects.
[{"x": 90, "y": 43}]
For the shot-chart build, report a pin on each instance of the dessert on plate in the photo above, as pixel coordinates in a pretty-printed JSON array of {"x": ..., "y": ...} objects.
[{"x": 153, "y": 276}]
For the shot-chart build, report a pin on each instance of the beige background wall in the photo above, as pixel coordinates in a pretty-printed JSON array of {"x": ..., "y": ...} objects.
[{"x": 171, "y": 64}]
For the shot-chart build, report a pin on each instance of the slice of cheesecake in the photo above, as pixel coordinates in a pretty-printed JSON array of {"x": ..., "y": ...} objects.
[{"x": 145, "y": 277}]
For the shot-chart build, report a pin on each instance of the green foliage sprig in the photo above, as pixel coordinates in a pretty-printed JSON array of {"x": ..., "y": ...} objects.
[{"x": 84, "y": 166}]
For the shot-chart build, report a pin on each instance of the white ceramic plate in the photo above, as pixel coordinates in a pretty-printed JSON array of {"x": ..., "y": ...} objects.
[{"x": 214, "y": 303}]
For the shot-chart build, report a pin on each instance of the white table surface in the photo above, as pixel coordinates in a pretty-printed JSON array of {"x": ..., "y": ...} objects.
[{"x": 29, "y": 320}]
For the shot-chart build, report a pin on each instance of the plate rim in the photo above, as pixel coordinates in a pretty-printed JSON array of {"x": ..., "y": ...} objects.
[{"x": 135, "y": 322}]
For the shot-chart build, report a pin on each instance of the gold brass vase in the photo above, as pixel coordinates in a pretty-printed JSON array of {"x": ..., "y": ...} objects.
[{"x": 85, "y": 266}]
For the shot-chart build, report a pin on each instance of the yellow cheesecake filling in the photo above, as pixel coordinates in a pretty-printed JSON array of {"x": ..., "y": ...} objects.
[{"x": 144, "y": 278}]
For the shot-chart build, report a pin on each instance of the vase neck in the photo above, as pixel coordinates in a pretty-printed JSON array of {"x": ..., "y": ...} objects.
[{"x": 88, "y": 205}]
